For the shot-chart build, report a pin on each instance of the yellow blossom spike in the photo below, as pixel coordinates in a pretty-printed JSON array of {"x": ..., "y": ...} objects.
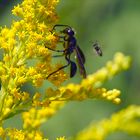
[
  {"x": 81, "y": 94},
  {"x": 89, "y": 87},
  {"x": 118, "y": 64},
  {"x": 126, "y": 121},
  {"x": 35, "y": 117},
  {"x": 2, "y": 132}
]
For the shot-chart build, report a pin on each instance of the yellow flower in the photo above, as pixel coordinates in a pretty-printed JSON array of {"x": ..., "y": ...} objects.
[
  {"x": 37, "y": 135},
  {"x": 61, "y": 138},
  {"x": 34, "y": 118},
  {"x": 16, "y": 134},
  {"x": 18, "y": 11},
  {"x": 1, "y": 131},
  {"x": 25, "y": 96}
]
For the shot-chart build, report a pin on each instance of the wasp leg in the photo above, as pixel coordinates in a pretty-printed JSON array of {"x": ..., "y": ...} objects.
[
  {"x": 58, "y": 55},
  {"x": 54, "y": 49},
  {"x": 69, "y": 62},
  {"x": 60, "y": 25}
]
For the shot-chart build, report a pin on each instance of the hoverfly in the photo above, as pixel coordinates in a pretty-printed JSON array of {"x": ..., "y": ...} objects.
[{"x": 97, "y": 48}]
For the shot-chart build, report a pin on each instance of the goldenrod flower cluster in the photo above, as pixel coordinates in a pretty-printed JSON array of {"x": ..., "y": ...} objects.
[
  {"x": 21, "y": 43},
  {"x": 91, "y": 86},
  {"x": 127, "y": 121},
  {"x": 24, "y": 43}
]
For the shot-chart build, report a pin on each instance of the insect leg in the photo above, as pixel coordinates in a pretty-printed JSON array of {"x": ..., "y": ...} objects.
[
  {"x": 58, "y": 55},
  {"x": 64, "y": 44},
  {"x": 54, "y": 49},
  {"x": 60, "y": 25},
  {"x": 68, "y": 60}
]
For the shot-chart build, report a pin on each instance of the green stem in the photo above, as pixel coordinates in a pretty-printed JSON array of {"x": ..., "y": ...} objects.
[{"x": 2, "y": 99}]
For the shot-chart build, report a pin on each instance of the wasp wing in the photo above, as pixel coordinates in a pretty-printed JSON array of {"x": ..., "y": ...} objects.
[
  {"x": 81, "y": 54},
  {"x": 81, "y": 60},
  {"x": 73, "y": 69}
]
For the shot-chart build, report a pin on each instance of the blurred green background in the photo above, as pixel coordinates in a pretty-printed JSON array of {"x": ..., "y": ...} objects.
[{"x": 115, "y": 24}]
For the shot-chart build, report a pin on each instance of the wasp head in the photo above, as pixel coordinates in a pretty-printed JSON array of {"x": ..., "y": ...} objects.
[{"x": 68, "y": 31}]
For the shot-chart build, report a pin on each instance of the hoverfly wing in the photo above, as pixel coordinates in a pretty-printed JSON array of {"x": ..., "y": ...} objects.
[
  {"x": 80, "y": 60},
  {"x": 73, "y": 69}
]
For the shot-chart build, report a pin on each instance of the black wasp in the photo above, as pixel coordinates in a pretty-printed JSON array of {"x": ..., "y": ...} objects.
[
  {"x": 97, "y": 48},
  {"x": 70, "y": 45}
]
